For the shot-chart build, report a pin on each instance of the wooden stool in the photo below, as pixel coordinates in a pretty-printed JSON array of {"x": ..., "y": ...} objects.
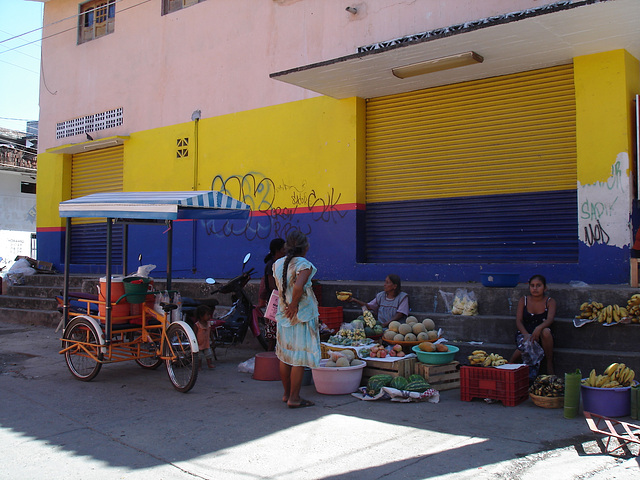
[{"x": 634, "y": 271}]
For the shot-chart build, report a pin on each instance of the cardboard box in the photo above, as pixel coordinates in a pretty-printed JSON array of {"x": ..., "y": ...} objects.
[{"x": 440, "y": 377}]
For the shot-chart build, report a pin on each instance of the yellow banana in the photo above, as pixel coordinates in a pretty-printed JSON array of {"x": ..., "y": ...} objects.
[
  {"x": 478, "y": 352},
  {"x": 602, "y": 379},
  {"x": 611, "y": 368},
  {"x": 592, "y": 378}
]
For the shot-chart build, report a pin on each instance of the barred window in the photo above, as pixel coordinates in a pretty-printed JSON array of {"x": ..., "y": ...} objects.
[
  {"x": 169, "y": 6},
  {"x": 97, "y": 19}
]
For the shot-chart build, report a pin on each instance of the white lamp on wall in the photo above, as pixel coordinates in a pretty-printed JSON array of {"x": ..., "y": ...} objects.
[{"x": 438, "y": 64}]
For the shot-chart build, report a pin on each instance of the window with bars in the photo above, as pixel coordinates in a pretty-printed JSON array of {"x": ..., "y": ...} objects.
[
  {"x": 96, "y": 19},
  {"x": 169, "y": 6}
]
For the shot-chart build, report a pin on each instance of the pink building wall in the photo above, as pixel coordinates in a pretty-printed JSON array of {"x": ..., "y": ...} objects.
[{"x": 215, "y": 56}]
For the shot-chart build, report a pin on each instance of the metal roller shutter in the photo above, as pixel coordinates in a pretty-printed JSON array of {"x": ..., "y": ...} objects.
[
  {"x": 460, "y": 157},
  {"x": 95, "y": 172}
]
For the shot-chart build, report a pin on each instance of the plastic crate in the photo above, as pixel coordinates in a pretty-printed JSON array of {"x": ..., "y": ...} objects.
[
  {"x": 511, "y": 387},
  {"x": 332, "y": 317}
]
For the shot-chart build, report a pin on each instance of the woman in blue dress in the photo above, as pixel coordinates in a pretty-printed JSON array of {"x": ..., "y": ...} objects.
[{"x": 298, "y": 337}]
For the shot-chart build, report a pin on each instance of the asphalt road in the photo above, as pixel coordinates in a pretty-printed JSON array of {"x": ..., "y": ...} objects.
[{"x": 129, "y": 423}]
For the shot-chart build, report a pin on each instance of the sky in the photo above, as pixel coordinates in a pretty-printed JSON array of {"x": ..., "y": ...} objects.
[{"x": 19, "y": 62}]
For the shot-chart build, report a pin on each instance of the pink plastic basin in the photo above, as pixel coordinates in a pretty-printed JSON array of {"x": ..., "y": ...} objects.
[{"x": 337, "y": 380}]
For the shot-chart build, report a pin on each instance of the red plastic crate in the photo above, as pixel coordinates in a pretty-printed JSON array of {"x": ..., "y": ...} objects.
[
  {"x": 511, "y": 387},
  {"x": 332, "y": 317}
]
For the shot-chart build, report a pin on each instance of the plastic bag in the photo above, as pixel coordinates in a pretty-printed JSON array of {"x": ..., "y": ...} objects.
[
  {"x": 21, "y": 268},
  {"x": 247, "y": 366},
  {"x": 532, "y": 352},
  {"x": 464, "y": 303},
  {"x": 161, "y": 298},
  {"x": 176, "y": 314},
  {"x": 448, "y": 300}
]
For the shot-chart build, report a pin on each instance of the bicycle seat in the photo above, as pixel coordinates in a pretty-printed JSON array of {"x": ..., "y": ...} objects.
[{"x": 167, "y": 307}]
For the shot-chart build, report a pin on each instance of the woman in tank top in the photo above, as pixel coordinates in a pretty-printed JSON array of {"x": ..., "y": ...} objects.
[{"x": 534, "y": 318}]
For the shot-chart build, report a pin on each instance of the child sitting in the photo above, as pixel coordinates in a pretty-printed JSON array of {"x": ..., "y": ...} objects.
[{"x": 203, "y": 335}]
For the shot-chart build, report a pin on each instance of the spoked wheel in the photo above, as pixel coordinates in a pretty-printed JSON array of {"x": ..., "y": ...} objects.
[
  {"x": 84, "y": 356},
  {"x": 181, "y": 360},
  {"x": 152, "y": 361}
]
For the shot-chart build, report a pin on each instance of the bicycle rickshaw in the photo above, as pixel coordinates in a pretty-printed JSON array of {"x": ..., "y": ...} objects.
[{"x": 92, "y": 335}]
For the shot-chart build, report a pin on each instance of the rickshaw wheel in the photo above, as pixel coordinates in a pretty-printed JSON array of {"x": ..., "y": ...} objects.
[
  {"x": 180, "y": 359},
  {"x": 84, "y": 359},
  {"x": 149, "y": 363}
]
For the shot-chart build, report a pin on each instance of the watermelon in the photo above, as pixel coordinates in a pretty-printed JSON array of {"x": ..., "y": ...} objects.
[
  {"x": 417, "y": 386},
  {"x": 399, "y": 383},
  {"x": 376, "y": 382},
  {"x": 416, "y": 377}
]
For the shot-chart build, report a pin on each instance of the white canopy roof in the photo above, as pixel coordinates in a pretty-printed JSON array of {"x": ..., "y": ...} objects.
[{"x": 204, "y": 204}]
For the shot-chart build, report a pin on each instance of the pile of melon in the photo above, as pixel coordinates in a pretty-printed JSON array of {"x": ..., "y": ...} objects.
[
  {"x": 342, "y": 358},
  {"x": 411, "y": 331}
]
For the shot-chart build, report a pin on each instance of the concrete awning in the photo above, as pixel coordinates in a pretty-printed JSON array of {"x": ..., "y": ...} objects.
[{"x": 515, "y": 42}]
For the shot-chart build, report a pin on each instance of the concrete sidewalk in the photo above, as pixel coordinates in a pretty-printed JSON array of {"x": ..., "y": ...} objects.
[{"x": 130, "y": 423}]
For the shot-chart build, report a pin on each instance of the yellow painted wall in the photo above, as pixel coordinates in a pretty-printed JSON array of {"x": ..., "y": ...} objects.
[
  {"x": 54, "y": 186},
  {"x": 303, "y": 148},
  {"x": 604, "y": 85},
  {"x": 151, "y": 160},
  {"x": 304, "y": 151}
]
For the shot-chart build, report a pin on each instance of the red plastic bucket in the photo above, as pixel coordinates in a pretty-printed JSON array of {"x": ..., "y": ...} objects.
[
  {"x": 117, "y": 290},
  {"x": 267, "y": 367}
]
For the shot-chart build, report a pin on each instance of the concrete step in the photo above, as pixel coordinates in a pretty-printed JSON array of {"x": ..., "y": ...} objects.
[
  {"x": 31, "y": 303},
  {"x": 47, "y": 318}
]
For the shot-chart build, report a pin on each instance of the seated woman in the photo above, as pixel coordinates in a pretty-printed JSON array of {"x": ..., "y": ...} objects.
[
  {"x": 390, "y": 304},
  {"x": 534, "y": 318}
]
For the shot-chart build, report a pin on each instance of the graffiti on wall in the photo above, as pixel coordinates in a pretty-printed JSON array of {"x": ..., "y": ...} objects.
[
  {"x": 605, "y": 207},
  {"x": 269, "y": 218}
]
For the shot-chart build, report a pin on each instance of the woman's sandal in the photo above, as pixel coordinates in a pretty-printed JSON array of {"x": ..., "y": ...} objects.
[{"x": 302, "y": 404}]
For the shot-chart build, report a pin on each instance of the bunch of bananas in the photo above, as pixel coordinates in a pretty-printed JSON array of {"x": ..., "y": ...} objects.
[
  {"x": 369, "y": 319},
  {"x": 590, "y": 310},
  {"x": 597, "y": 311},
  {"x": 547, "y": 386},
  {"x": 480, "y": 357},
  {"x": 344, "y": 296},
  {"x": 615, "y": 375},
  {"x": 633, "y": 308}
]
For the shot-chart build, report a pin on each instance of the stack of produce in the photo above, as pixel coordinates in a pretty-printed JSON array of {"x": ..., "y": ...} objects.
[
  {"x": 547, "y": 386},
  {"x": 343, "y": 358},
  {"x": 412, "y": 383},
  {"x": 615, "y": 375},
  {"x": 597, "y": 311},
  {"x": 633, "y": 308},
  {"x": 350, "y": 337},
  {"x": 378, "y": 351},
  {"x": 411, "y": 331},
  {"x": 464, "y": 306},
  {"x": 481, "y": 358}
]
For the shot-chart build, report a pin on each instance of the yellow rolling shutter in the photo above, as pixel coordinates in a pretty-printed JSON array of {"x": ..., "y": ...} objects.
[
  {"x": 514, "y": 133},
  {"x": 477, "y": 172},
  {"x": 95, "y": 172}
]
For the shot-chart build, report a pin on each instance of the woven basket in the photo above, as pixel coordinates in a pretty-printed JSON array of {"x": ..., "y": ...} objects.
[{"x": 547, "y": 402}]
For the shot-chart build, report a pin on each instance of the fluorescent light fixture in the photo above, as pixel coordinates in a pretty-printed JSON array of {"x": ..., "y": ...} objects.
[{"x": 438, "y": 64}]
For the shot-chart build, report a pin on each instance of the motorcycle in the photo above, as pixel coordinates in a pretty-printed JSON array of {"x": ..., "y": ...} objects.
[{"x": 231, "y": 328}]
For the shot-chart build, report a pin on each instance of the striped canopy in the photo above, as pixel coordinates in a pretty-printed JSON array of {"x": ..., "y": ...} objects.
[{"x": 203, "y": 204}]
